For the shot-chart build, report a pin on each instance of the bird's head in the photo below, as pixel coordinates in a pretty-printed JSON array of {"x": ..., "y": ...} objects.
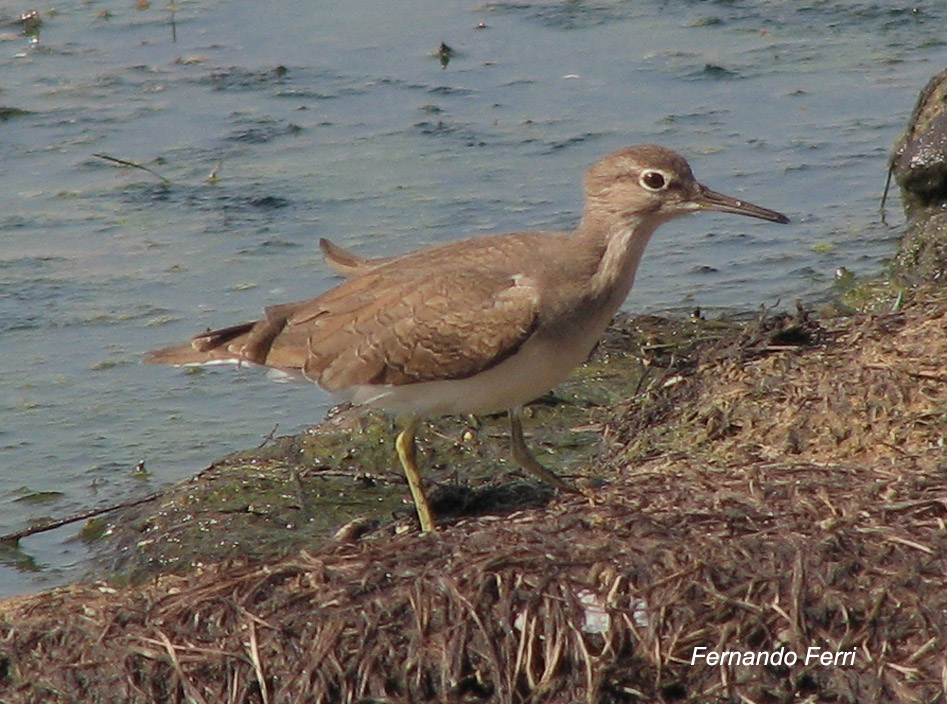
[{"x": 648, "y": 183}]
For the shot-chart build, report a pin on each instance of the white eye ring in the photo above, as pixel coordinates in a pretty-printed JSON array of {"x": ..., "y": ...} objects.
[{"x": 654, "y": 180}]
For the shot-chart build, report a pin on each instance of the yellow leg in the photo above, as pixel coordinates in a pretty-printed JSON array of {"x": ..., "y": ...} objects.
[
  {"x": 404, "y": 444},
  {"x": 524, "y": 458}
]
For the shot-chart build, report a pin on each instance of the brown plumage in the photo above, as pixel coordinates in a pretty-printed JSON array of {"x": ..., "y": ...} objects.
[
  {"x": 346, "y": 264},
  {"x": 480, "y": 324},
  {"x": 431, "y": 315}
]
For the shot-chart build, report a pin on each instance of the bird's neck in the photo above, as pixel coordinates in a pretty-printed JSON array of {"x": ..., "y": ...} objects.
[{"x": 620, "y": 244}]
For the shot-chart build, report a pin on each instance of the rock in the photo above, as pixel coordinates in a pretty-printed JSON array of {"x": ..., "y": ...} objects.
[
  {"x": 919, "y": 160},
  {"x": 919, "y": 166}
]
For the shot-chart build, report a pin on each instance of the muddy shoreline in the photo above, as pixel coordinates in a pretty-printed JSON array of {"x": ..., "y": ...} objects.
[{"x": 775, "y": 482}]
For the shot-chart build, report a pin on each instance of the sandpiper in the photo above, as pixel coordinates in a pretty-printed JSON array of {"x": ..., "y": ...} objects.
[{"x": 479, "y": 325}]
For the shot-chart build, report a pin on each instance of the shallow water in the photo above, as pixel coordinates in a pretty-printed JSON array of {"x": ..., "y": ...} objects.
[{"x": 336, "y": 119}]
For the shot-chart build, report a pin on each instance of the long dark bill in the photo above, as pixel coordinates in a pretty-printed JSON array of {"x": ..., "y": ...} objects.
[{"x": 711, "y": 200}]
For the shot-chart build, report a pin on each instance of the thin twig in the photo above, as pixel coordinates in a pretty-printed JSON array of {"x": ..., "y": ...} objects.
[
  {"x": 174, "y": 25},
  {"x": 884, "y": 196},
  {"x": 125, "y": 162},
  {"x": 187, "y": 685},
  {"x": 254, "y": 649},
  {"x": 16, "y": 536},
  {"x": 269, "y": 437}
]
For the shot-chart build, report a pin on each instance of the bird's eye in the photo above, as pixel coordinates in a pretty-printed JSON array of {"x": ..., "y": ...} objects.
[{"x": 654, "y": 180}]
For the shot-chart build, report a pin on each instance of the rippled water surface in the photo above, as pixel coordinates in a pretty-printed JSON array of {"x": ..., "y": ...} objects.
[{"x": 336, "y": 119}]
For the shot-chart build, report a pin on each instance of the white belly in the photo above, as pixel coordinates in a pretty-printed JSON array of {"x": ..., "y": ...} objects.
[{"x": 536, "y": 368}]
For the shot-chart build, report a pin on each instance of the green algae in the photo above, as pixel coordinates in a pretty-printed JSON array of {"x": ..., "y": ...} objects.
[{"x": 298, "y": 491}]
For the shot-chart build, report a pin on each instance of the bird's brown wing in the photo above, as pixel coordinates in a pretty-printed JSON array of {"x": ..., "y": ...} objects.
[
  {"x": 403, "y": 328},
  {"x": 398, "y": 324}
]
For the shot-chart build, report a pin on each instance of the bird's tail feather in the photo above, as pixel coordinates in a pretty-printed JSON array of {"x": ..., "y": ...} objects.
[{"x": 206, "y": 348}]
